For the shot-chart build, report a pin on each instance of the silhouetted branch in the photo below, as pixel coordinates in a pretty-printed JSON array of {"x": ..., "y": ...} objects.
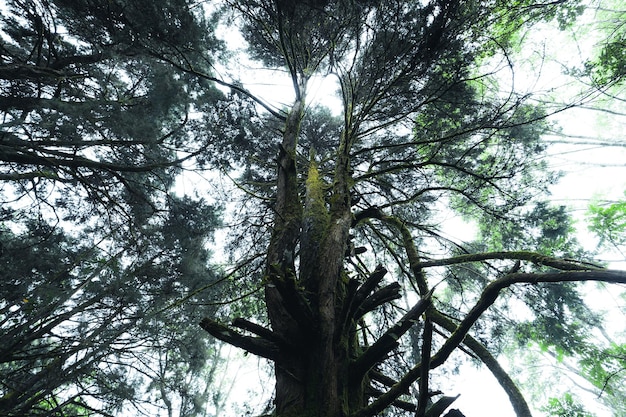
[
  {"x": 491, "y": 292},
  {"x": 294, "y": 300},
  {"x": 515, "y": 396},
  {"x": 536, "y": 258},
  {"x": 384, "y": 295},
  {"x": 404, "y": 405},
  {"x": 362, "y": 292},
  {"x": 389, "y": 340},
  {"x": 256, "y": 345},
  {"x": 440, "y": 406},
  {"x": 259, "y": 330},
  {"x": 427, "y": 339}
]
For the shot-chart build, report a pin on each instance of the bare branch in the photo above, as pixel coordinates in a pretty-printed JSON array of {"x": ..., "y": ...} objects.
[
  {"x": 404, "y": 405},
  {"x": 366, "y": 288},
  {"x": 534, "y": 257},
  {"x": 384, "y": 295},
  {"x": 255, "y": 345},
  {"x": 427, "y": 339},
  {"x": 259, "y": 330}
]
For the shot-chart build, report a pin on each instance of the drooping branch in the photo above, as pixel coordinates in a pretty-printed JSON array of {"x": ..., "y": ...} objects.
[
  {"x": 63, "y": 159},
  {"x": 256, "y": 345},
  {"x": 491, "y": 292},
  {"x": 515, "y": 396}
]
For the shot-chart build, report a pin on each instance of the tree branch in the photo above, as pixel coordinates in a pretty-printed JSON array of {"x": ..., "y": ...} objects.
[
  {"x": 491, "y": 292},
  {"x": 294, "y": 300},
  {"x": 259, "y": 330},
  {"x": 189, "y": 69},
  {"x": 384, "y": 295},
  {"x": 427, "y": 339},
  {"x": 515, "y": 396},
  {"x": 364, "y": 290},
  {"x": 536, "y": 258},
  {"x": 258, "y": 346},
  {"x": 440, "y": 406},
  {"x": 389, "y": 340},
  {"x": 488, "y": 297},
  {"x": 382, "y": 378},
  {"x": 404, "y": 405},
  {"x": 411, "y": 253}
]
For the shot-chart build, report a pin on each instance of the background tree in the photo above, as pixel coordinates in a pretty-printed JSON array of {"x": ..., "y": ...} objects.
[
  {"x": 607, "y": 68},
  {"x": 91, "y": 328},
  {"x": 598, "y": 363},
  {"x": 96, "y": 249},
  {"x": 90, "y": 112}
]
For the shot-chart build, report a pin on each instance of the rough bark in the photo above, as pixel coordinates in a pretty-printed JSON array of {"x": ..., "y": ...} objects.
[{"x": 286, "y": 318}]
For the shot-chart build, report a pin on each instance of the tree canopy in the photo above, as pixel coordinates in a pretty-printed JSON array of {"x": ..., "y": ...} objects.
[
  {"x": 338, "y": 264},
  {"x": 95, "y": 245}
]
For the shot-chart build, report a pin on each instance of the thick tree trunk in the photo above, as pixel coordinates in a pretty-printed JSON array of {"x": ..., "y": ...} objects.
[
  {"x": 322, "y": 369},
  {"x": 305, "y": 308}
]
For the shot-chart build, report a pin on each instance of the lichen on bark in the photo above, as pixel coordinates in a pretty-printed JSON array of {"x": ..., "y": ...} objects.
[{"x": 315, "y": 220}]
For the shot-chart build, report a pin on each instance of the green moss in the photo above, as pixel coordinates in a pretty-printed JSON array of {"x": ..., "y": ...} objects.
[{"x": 316, "y": 214}]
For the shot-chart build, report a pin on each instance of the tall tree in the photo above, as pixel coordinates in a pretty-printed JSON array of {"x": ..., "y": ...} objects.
[
  {"x": 105, "y": 102},
  {"x": 421, "y": 130},
  {"x": 95, "y": 247},
  {"x": 607, "y": 68}
]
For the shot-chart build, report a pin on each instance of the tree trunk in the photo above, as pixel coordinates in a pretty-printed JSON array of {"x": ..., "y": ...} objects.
[
  {"x": 313, "y": 306},
  {"x": 307, "y": 309}
]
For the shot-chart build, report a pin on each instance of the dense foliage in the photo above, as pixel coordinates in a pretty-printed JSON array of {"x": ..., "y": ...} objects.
[
  {"x": 353, "y": 212},
  {"x": 343, "y": 269},
  {"x": 95, "y": 246}
]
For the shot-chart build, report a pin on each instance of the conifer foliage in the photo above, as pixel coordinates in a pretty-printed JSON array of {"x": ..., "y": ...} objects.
[{"x": 343, "y": 272}]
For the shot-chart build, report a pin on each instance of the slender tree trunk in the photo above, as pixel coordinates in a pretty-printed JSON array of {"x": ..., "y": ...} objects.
[{"x": 281, "y": 266}]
